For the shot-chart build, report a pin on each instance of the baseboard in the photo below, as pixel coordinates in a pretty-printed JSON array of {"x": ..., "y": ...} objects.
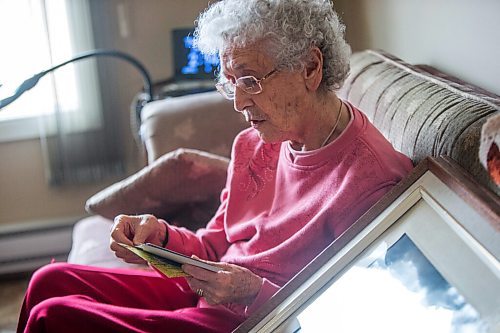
[{"x": 27, "y": 246}]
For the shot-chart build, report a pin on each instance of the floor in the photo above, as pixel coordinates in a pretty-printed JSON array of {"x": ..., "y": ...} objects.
[{"x": 11, "y": 299}]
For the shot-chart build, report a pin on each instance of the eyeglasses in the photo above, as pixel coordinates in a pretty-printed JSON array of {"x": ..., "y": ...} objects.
[{"x": 249, "y": 84}]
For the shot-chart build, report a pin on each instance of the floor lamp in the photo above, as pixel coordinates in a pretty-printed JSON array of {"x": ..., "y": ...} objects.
[{"x": 145, "y": 98}]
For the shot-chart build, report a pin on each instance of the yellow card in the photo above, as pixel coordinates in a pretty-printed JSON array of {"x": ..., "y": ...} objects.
[{"x": 165, "y": 266}]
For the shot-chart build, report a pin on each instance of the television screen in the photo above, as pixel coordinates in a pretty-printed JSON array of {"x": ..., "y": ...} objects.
[{"x": 189, "y": 62}]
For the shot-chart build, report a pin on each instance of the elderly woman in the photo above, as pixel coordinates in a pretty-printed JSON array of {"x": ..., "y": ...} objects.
[{"x": 308, "y": 167}]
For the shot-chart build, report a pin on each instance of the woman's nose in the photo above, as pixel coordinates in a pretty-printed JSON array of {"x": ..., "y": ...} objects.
[{"x": 242, "y": 100}]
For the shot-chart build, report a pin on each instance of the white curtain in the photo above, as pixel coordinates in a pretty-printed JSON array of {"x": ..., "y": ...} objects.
[
  {"x": 37, "y": 34},
  {"x": 75, "y": 134},
  {"x": 69, "y": 32}
]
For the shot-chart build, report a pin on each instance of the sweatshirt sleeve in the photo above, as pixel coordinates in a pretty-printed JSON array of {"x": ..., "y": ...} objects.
[{"x": 208, "y": 243}]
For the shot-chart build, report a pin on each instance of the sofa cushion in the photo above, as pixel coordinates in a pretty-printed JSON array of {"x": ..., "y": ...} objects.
[
  {"x": 422, "y": 111},
  {"x": 203, "y": 121},
  {"x": 182, "y": 186}
]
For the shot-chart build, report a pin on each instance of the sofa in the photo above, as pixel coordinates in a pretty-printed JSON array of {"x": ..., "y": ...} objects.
[{"x": 422, "y": 111}]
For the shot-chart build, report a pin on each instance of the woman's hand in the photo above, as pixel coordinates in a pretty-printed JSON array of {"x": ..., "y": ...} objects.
[
  {"x": 234, "y": 284},
  {"x": 134, "y": 230}
]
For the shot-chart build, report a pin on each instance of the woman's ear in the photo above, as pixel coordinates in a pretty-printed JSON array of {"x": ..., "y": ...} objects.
[{"x": 313, "y": 71}]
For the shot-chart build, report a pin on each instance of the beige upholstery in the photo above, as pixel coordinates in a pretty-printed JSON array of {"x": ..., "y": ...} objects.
[
  {"x": 422, "y": 111},
  {"x": 204, "y": 121}
]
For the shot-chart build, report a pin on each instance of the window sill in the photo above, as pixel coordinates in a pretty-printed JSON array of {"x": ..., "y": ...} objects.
[{"x": 26, "y": 128}]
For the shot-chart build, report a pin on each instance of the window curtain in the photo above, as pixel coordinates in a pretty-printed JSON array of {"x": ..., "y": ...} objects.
[{"x": 80, "y": 140}]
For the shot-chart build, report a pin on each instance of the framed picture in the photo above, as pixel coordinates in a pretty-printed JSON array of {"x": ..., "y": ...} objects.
[{"x": 423, "y": 259}]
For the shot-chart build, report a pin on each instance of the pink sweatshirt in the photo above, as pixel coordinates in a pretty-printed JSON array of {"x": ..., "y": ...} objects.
[{"x": 281, "y": 207}]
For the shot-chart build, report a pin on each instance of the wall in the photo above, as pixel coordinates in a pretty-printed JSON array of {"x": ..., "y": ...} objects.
[
  {"x": 24, "y": 195},
  {"x": 459, "y": 37}
]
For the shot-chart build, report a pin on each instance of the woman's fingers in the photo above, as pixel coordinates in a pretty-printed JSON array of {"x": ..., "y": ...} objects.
[
  {"x": 123, "y": 229},
  {"x": 125, "y": 254},
  {"x": 234, "y": 284},
  {"x": 202, "y": 287},
  {"x": 149, "y": 229},
  {"x": 199, "y": 273},
  {"x": 130, "y": 230},
  {"x": 205, "y": 280}
]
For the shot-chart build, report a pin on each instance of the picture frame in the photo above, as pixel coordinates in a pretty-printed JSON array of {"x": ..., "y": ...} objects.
[{"x": 441, "y": 218}]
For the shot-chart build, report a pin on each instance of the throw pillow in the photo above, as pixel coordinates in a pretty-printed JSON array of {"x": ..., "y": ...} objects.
[{"x": 182, "y": 186}]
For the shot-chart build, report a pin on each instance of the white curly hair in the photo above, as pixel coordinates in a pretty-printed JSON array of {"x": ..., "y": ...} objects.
[{"x": 288, "y": 27}]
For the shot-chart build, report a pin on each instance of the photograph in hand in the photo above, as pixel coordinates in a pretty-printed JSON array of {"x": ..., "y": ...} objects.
[
  {"x": 166, "y": 261},
  {"x": 175, "y": 256},
  {"x": 169, "y": 268}
]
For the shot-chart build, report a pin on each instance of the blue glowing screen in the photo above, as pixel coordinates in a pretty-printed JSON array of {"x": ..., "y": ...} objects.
[{"x": 189, "y": 62}]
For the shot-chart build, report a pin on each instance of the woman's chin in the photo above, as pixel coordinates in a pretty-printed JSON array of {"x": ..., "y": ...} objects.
[{"x": 268, "y": 138}]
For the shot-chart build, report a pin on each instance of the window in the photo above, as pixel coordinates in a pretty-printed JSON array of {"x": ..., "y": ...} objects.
[{"x": 42, "y": 34}]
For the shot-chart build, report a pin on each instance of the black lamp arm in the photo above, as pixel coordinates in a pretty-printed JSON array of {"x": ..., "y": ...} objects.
[{"x": 32, "y": 81}]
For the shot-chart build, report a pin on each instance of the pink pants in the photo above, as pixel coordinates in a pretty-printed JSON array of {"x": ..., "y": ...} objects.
[{"x": 73, "y": 298}]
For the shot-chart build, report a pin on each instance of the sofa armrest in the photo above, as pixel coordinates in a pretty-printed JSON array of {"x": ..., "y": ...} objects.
[{"x": 204, "y": 121}]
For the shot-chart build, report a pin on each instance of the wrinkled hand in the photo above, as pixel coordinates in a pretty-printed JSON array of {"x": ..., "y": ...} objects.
[
  {"x": 134, "y": 230},
  {"x": 234, "y": 284}
]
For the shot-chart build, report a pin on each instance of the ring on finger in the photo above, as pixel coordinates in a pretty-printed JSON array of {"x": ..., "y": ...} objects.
[{"x": 199, "y": 292}]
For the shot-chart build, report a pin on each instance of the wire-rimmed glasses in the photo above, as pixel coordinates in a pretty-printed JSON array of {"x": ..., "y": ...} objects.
[{"x": 249, "y": 84}]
